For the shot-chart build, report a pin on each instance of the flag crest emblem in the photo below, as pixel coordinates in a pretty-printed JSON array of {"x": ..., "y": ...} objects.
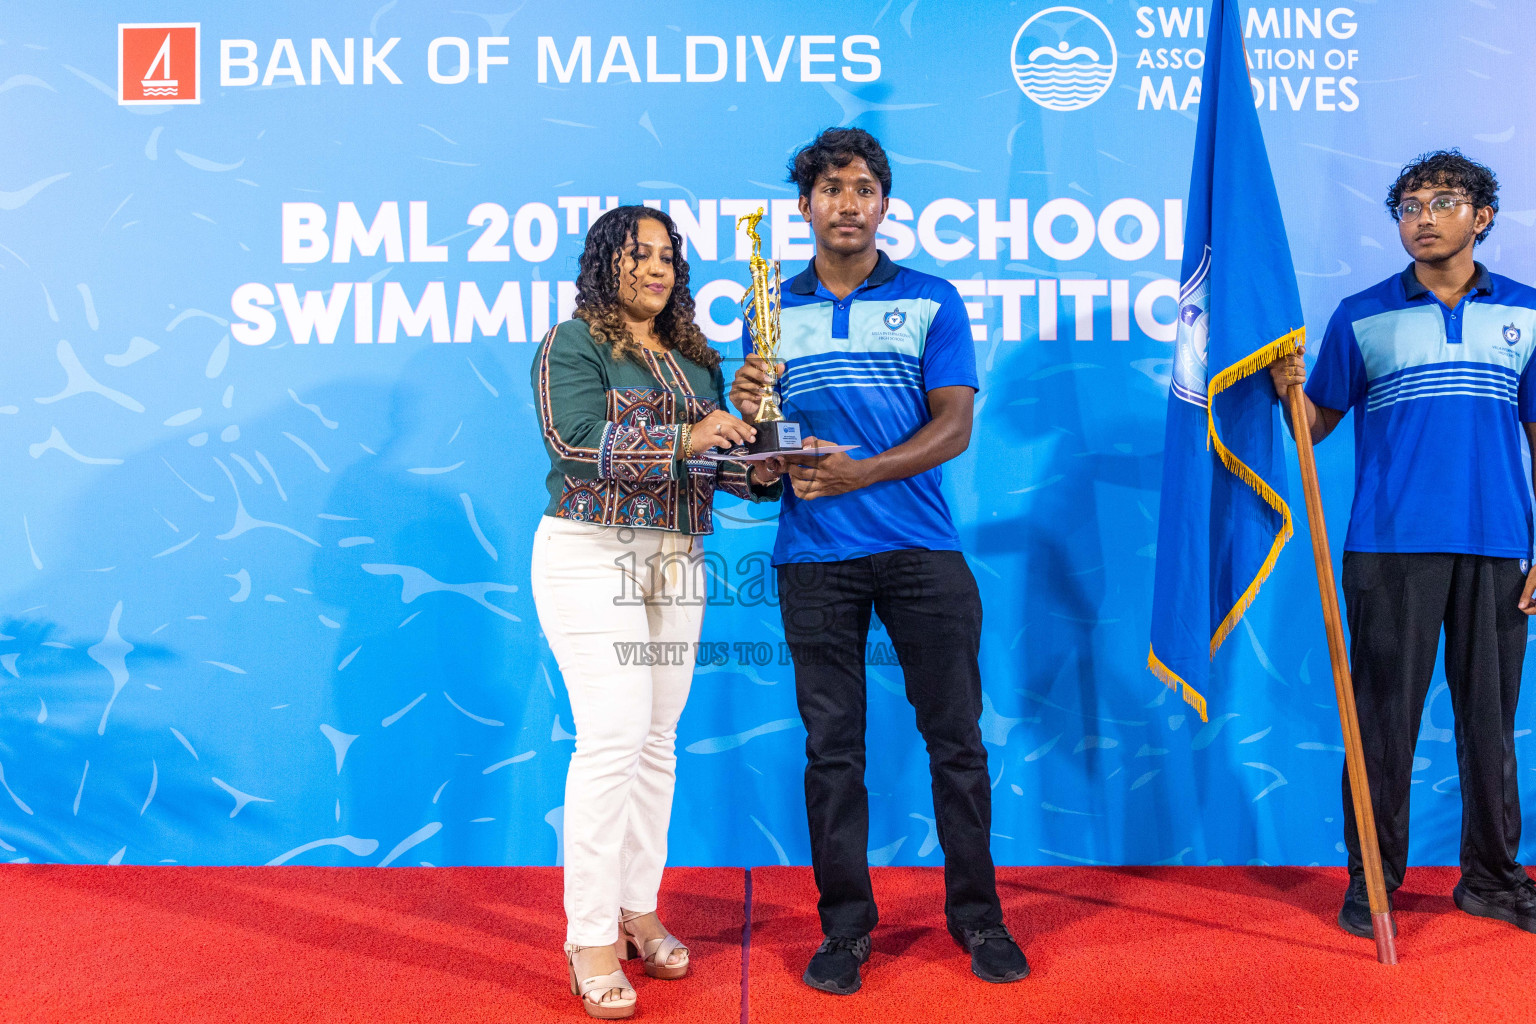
[{"x": 1192, "y": 337}]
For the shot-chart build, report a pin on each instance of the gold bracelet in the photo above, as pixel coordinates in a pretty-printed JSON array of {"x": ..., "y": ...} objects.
[{"x": 687, "y": 429}]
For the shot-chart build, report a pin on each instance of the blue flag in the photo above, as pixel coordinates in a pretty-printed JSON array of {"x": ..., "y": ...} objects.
[{"x": 1224, "y": 516}]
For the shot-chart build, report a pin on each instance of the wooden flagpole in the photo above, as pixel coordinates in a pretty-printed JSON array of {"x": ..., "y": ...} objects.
[{"x": 1354, "y": 755}]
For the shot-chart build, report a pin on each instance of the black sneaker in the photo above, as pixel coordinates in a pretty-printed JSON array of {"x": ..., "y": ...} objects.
[
  {"x": 995, "y": 956},
  {"x": 1355, "y": 914},
  {"x": 835, "y": 967},
  {"x": 1517, "y": 905}
]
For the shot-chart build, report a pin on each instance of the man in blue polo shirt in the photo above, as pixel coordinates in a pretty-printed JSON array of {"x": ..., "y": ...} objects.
[
  {"x": 1436, "y": 364},
  {"x": 878, "y": 356}
]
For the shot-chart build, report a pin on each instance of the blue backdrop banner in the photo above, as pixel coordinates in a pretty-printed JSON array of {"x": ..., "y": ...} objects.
[{"x": 270, "y": 274}]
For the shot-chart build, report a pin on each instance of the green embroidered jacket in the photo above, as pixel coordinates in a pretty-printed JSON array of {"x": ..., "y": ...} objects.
[{"x": 611, "y": 427}]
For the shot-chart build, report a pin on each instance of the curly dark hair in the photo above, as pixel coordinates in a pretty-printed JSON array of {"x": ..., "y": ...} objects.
[
  {"x": 1447, "y": 168},
  {"x": 611, "y": 236},
  {"x": 838, "y": 147}
]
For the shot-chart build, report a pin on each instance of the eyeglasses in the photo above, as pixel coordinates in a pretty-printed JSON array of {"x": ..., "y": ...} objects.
[{"x": 1440, "y": 206}]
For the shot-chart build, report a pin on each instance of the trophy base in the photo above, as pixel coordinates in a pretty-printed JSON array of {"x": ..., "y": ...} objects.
[{"x": 775, "y": 437}]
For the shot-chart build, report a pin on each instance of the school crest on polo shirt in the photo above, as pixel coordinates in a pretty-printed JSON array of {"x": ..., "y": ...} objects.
[
  {"x": 895, "y": 318},
  {"x": 1511, "y": 334}
]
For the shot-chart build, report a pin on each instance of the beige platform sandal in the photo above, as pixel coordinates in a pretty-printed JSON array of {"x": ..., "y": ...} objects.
[
  {"x": 599, "y": 985},
  {"x": 654, "y": 953}
]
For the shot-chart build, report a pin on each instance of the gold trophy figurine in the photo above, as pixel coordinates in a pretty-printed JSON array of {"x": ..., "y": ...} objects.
[{"x": 760, "y": 308}]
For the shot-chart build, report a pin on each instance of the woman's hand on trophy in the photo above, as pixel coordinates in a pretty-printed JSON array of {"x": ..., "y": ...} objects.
[
  {"x": 749, "y": 383},
  {"x": 721, "y": 430}
]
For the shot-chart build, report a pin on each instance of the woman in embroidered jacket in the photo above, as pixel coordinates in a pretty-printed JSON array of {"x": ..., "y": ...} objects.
[{"x": 630, "y": 396}]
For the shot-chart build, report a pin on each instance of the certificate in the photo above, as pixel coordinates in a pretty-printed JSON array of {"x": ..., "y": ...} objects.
[{"x": 740, "y": 453}]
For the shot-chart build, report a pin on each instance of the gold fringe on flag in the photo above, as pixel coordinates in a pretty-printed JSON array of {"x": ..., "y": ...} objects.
[
  {"x": 1278, "y": 349},
  {"x": 1259, "y": 360},
  {"x": 1176, "y": 684}
]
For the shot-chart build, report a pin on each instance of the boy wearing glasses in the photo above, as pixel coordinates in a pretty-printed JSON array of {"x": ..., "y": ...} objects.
[{"x": 1436, "y": 363}]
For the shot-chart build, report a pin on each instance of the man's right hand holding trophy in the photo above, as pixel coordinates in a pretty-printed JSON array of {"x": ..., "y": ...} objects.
[
  {"x": 747, "y": 388},
  {"x": 752, "y": 380}
]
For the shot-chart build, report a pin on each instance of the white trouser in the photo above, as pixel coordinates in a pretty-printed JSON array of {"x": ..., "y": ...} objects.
[{"x": 587, "y": 582}]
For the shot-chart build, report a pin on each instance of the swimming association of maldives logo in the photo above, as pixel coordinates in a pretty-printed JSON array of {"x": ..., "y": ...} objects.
[
  {"x": 894, "y": 319},
  {"x": 1064, "y": 58},
  {"x": 158, "y": 63}
]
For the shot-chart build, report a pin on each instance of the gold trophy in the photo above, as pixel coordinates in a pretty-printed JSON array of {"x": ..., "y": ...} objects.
[{"x": 760, "y": 308}]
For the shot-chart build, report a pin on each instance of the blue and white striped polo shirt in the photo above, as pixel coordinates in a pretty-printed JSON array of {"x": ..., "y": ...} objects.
[
  {"x": 857, "y": 371},
  {"x": 1439, "y": 395}
]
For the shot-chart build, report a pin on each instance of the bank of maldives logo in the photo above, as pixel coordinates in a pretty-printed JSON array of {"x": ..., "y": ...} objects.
[
  {"x": 158, "y": 63},
  {"x": 1064, "y": 58}
]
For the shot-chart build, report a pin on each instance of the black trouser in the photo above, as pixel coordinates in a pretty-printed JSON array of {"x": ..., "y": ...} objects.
[
  {"x": 931, "y": 608},
  {"x": 1397, "y": 605}
]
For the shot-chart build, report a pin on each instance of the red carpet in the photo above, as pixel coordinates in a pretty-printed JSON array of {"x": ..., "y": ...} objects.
[
  {"x": 1249, "y": 945},
  {"x": 127, "y": 945},
  {"x": 131, "y": 945}
]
